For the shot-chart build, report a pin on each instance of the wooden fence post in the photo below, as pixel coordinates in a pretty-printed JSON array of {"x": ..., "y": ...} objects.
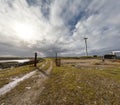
[
  {"x": 57, "y": 60},
  {"x": 35, "y": 61}
]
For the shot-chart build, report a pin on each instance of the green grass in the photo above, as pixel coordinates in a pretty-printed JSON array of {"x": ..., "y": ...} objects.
[{"x": 72, "y": 86}]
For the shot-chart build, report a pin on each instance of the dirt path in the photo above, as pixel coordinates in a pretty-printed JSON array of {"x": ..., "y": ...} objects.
[
  {"x": 8, "y": 87},
  {"x": 28, "y": 91}
]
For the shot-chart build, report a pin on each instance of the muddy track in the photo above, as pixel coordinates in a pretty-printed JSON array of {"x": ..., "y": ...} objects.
[{"x": 31, "y": 90}]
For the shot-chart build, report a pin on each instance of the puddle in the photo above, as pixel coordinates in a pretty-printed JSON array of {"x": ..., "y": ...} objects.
[{"x": 14, "y": 83}]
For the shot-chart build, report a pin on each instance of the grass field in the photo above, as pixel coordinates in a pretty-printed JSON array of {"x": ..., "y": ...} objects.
[
  {"x": 7, "y": 75},
  {"x": 69, "y": 85},
  {"x": 76, "y": 82}
]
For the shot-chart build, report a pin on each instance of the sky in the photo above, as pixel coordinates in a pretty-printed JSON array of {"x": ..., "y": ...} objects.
[{"x": 49, "y": 26}]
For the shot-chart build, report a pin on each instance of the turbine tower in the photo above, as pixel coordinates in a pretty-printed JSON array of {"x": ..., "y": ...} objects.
[{"x": 86, "y": 45}]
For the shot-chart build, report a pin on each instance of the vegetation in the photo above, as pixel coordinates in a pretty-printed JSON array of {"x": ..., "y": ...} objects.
[
  {"x": 94, "y": 83},
  {"x": 7, "y": 75},
  {"x": 73, "y": 86},
  {"x": 83, "y": 57},
  {"x": 27, "y": 88},
  {"x": 47, "y": 65},
  {"x": 40, "y": 63}
]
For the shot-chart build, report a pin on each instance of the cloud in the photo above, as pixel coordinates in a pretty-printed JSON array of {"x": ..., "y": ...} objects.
[{"x": 50, "y": 26}]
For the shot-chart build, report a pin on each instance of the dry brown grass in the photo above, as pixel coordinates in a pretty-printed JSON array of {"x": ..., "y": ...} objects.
[
  {"x": 91, "y": 84},
  {"x": 69, "y": 85}
]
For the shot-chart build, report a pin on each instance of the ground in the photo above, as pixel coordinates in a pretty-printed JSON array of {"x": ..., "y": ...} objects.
[{"x": 76, "y": 82}]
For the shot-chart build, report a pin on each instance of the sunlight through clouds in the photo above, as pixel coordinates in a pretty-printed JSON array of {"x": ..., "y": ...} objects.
[{"x": 59, "y": 25}]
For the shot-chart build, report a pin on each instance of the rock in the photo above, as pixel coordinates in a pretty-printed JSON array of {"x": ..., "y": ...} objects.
[{"x": 28, "y": 88}]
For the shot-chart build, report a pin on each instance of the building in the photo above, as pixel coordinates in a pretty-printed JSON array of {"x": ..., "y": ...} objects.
[
  {"x": 113, "y": 55},
  {"x": 116, "y": 53},
  {"x": 109, "y": 56}
]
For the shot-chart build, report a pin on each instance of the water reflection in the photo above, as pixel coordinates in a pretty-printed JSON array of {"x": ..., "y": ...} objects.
[{"x": 18, "y": 61}]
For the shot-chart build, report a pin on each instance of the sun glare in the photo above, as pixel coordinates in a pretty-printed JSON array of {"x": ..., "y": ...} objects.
[{"x": 24, "y": 31}]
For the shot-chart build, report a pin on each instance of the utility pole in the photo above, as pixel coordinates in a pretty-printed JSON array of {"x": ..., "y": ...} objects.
[
  {"x": 35, "y": 61},
  {"x": 86, "y": 45}
]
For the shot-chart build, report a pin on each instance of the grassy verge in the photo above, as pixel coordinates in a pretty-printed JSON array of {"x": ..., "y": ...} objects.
[
  {"x": 15, "y": 94},
  {"x": 113, "y": 73},
  {"x": 28, "y": 87},
  {"x": 7, "y": 75},
  {"x": 46, "y": 62},
  {"x": 47, "y": 65},
  {"x": 41, "y": 63},
  {"x": 72, "y": 86}
]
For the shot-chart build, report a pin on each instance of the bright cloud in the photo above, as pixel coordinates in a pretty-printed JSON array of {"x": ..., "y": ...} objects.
[{"x": 48, "y": 26}]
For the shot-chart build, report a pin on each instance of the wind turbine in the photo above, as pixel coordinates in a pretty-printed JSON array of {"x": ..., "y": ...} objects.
[{"x": 85, "y": 38}]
